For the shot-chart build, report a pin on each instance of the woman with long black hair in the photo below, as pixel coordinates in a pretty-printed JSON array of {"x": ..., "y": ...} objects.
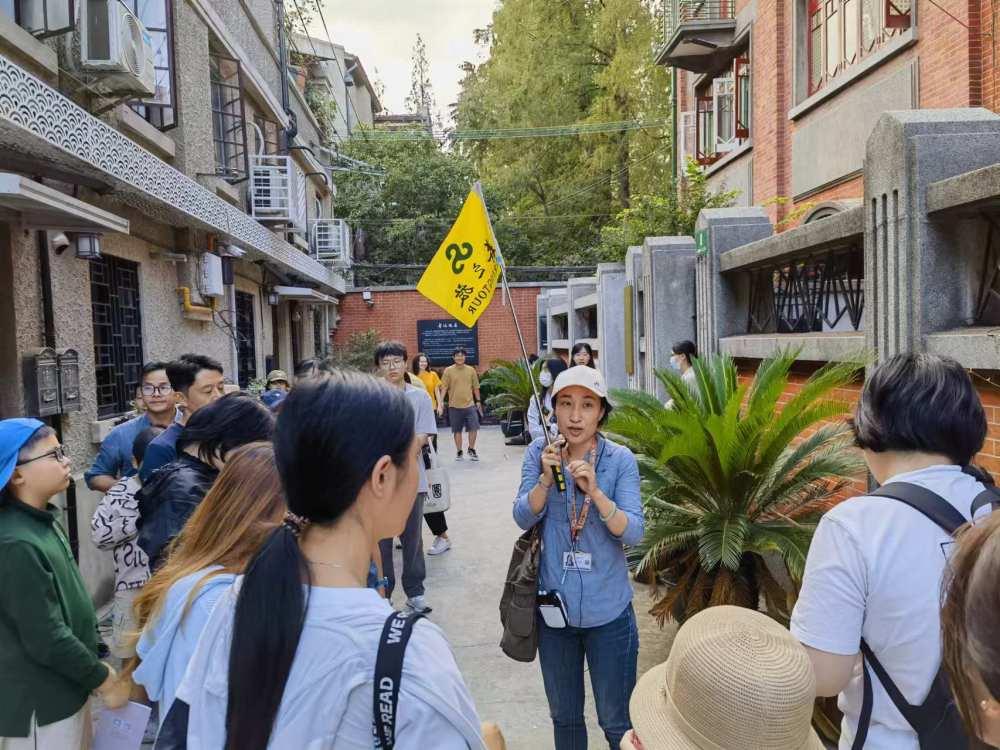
[
  {"x": 289, "y": 660},
  {"x": 538, "y": 422}
]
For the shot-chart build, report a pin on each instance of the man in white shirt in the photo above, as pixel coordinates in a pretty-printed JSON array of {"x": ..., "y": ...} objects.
[{"x": 875, "y": 564}]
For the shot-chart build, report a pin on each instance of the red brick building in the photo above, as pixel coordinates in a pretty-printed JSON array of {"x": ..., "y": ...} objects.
[
  {"x": 394, "y": 313},
  {"x": 776, "y": 98}
]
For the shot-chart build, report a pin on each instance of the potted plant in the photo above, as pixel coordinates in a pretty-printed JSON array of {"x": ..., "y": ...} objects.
[
  {"x": 509, "y": 390},
  {"x": 734, "y": 481}
]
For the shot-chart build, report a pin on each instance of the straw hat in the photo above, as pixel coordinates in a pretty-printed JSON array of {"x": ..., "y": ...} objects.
[{"x": 735, "y": 680}]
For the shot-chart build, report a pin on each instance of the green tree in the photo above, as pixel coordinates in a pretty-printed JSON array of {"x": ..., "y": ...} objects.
[{"x": 421, "y": 100}]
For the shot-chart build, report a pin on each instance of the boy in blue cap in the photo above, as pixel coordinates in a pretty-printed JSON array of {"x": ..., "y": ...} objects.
[{"x": 48, "y": 628}]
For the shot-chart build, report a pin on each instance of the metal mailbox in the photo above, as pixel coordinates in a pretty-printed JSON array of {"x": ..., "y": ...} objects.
[
  {"x": 69, "y": 380},
  {"x": 41, "y": 382}
]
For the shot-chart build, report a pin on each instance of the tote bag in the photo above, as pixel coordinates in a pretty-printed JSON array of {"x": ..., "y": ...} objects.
[{"x": 438, "y": 497}]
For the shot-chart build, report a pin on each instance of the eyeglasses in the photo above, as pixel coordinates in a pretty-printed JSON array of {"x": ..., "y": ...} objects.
[
  {"x": 396, "y": 363},
  {"x": 159, "y": 390},
  {"x": 57, "y": 453}
]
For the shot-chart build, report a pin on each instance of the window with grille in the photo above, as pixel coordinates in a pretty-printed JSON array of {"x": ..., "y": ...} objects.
[
  {"x": 158, "y": 110},
  {"x": 228, "y": 124},
  {"x": 843, "y": 33},
  {"x": 246, "y": 350},
  {"x": 267, "y": 136},
  {"x": 117, "y": 320},
  {"x": 41, "y": 18}
]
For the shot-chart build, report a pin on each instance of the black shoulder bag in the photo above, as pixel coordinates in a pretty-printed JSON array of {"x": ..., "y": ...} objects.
[
  {"x": 936, "y": 721},
  {"x": 388, "y": 672}
]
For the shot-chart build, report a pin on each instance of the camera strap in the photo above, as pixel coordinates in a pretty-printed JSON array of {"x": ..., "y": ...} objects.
[{"x": 388, "y": 672}]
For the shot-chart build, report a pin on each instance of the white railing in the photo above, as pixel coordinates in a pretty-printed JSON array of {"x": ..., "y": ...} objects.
[
  {"x": 330, "y": 240},
  {"x": 277, "y": 191}
]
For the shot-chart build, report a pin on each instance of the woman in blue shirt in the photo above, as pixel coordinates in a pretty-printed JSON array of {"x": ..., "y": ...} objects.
[{"x": 583, "y": 559}]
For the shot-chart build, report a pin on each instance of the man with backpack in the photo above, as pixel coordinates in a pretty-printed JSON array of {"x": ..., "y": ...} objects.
[{"x": 873, "y": 575}]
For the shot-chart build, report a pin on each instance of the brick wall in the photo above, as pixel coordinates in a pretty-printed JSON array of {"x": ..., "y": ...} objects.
[
  {"x": 989, "y": 46},
  {"x": 395, "y": 314}
]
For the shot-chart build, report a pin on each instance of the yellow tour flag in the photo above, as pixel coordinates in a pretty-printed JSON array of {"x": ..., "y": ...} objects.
[{"x": 463, "y": 273}]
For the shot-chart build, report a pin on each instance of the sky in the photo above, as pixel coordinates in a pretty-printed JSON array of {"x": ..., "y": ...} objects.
[{"x": 382, "y": 33}]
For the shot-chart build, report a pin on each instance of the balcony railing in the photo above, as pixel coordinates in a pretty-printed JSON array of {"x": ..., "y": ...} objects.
[
  {"x": 697, "y": 34},
  {"x": 330, "y": 240},
  {"x": 278, "y": 191}
]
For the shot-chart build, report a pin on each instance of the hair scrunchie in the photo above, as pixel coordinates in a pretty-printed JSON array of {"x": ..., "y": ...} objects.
[{"x": 295, "y": 523}]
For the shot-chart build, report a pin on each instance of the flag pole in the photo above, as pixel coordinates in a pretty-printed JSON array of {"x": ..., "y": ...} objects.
[{"x": 556, "y": 471}]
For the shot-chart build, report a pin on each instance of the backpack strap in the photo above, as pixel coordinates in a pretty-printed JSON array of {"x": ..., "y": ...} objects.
[
  {"x": 989, "y": 496},
  {"x": 930, "y": 504},
  {"x": 388, "y": 672},
  {"x": 943, "y": 513}
]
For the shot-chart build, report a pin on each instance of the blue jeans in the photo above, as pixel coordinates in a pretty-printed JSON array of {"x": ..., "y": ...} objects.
[{"x": 612, "y": 652}]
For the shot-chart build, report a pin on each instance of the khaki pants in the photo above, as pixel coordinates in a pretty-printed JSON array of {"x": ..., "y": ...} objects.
[{"x": 72, "y": 733}]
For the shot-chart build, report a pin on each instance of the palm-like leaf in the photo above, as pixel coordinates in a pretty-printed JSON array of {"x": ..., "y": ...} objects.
[
  {"x": 732, "y": 482},
  {"x": 510, "y": 386}
]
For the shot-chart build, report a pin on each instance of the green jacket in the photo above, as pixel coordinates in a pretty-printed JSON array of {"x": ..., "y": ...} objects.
[{"x": 48, "y": 627}]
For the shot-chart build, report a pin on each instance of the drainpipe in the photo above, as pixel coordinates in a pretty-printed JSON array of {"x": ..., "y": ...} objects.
[
  {"x": 49, "y": 332},
  {"x": 292, "y": 130}
]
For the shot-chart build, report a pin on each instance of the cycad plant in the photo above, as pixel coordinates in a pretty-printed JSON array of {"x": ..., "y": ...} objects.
[
  {"x": 509, "y": 386},
  {"x": 733, "y": 481}
]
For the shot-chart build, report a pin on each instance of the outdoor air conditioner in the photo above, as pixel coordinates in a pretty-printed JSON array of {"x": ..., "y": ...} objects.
[{"x": 114, "y": 49}]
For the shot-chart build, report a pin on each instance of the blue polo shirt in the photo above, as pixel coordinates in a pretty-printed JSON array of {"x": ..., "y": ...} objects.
[{"x": 115, "y": 456}]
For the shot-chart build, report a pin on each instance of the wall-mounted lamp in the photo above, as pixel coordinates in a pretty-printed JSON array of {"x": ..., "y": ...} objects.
[
  {"x": 88, "y": 244},
  {"x": 273, "y": 298},
  {"x": 368, "y": 297}
]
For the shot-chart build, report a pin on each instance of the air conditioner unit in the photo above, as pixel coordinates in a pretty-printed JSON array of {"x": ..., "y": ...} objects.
[
  {"x": 210, "y": 275},
  {"x": 113, "y": 47}
]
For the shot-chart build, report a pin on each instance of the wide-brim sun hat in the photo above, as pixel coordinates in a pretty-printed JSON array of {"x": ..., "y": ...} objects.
[
  {"x": 734, "y": 680},
  {"x": 582, "y": 376}
]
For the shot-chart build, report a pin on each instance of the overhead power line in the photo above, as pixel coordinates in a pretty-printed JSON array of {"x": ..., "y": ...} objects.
[{"x": 485, "y": 134}]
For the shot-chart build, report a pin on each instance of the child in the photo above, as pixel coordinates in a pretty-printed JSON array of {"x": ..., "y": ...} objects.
[
  {"x": 48, "y": 627},
  {"x": 114, "y": 527}
]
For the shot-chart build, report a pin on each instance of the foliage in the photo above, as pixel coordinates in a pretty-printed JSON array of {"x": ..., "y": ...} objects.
[
  {"x": 583, "y": 61},
  {"x": 298, "y": 16},
  {"x": 656, "y": 215},
  {"x": 730, "y": 480},
  {"x": 257, "y": 386},
  {"x": 324, "y": 107},
  {"x": 421, "y": 100},
  {"x": 358, "y": 352},
  {"x": 509, "y": 386},
  {"x": 794, "y": 215}
]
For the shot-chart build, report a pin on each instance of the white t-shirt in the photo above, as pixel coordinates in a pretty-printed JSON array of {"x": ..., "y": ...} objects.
[
  {"x": 327, "y": 703},
  {"x": 874, "y": 570}
]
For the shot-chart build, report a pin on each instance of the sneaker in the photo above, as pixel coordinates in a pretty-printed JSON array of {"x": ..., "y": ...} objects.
[
  {"x": 458, "y": 456},
  {"x": 418, "y": 604},
  {"x": 441, "y": 545},
  {"x": 473, "y": 455}
]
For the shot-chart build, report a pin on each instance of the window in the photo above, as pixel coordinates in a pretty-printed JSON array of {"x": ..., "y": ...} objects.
[
  {"x": 117, "y": 321},
  {"x": 155, "y": 15},
  {"x": 228, "y": 125},
  {"x": 42, "y": 18},
  {"x": 246, "y": 350},
  {"x": 842, "y": 33},
  {"x": 687, "y": 137},
  {"x": 267, "y": 136},
  {"x": 723, "y": 112}
]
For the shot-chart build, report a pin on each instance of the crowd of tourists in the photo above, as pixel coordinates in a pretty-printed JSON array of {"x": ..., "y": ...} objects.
[{"x": 253, "y": 545}]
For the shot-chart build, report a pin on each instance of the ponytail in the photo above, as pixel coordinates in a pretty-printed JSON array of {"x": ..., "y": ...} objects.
[{"x": 270, "y": 615}]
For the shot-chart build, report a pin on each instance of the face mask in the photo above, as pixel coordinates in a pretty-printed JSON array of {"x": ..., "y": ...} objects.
[
  {"x": 675, "y": 364},
  {"x": 545, "y": 378}
]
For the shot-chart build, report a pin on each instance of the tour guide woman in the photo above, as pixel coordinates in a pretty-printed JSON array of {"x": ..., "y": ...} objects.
[{"x": 583, "y": 559}]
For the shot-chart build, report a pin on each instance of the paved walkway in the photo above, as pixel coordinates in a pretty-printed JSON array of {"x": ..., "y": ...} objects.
[{"x": 464, "y": 587}]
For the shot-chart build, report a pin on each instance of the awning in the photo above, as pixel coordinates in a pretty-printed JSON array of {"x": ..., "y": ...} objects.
[
  {"x": 40, "y": 207},
  {"x": 304, "y": 294}
]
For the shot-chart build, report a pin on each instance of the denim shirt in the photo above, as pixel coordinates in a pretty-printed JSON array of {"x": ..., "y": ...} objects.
[
  {"x": 598, "y": 596},
  {"x": 115, "y": 456}
]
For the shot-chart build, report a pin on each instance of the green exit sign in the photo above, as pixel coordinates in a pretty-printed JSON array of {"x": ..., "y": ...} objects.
[{"x": 701, "y": 241}]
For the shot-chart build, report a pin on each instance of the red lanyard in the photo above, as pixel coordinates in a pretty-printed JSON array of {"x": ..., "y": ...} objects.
[{"x": 576, "y": 523}]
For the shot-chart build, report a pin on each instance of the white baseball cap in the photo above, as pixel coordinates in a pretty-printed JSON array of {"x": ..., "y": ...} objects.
[{"x": 583, "y": 376}]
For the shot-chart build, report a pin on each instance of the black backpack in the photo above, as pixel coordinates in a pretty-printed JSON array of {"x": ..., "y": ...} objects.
[{"x": 936, "y": 721}]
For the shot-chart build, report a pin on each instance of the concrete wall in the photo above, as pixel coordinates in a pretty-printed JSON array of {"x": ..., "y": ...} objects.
[
  {"x": 669, "y": 298},
  {"x": 611, "y": 323}
]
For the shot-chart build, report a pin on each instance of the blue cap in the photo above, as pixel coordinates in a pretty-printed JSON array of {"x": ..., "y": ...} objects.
[
  {"x": 272, "y": 399},
  {"x": 14, "y": 433}
]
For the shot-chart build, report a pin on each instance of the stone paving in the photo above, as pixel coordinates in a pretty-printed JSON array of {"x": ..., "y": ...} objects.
[{"x": 464, "y": 587}]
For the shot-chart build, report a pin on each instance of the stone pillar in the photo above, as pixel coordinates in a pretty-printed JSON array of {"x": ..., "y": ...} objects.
[
  {"x": 576, "y": 289},
  {"x": 557, "y": 328},
  {"x": 721, "y": 307},
  {"x": 907, "y": 254},
  {"x": 611, "y": 323},
  {"x": 635, "y": 369},
  {"x": 668, "y": 271}
]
